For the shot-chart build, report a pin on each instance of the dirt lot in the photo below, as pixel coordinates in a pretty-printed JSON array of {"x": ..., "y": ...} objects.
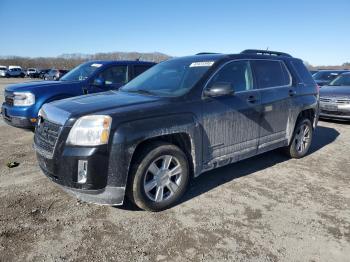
[{"x": 268, "y": 208}]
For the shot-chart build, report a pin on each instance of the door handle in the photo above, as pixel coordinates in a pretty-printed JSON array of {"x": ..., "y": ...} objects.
[
  {"x": 292, "y": 92},
  {"x": 251, "y": 99}
]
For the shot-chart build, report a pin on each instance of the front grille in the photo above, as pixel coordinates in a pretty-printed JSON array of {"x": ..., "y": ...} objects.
[
  {"x": 46, "y": 136},
  {"x": 343, "y": 101},
  {"x": 335, "y": 100},
  {"x": 323, "y": 99}
]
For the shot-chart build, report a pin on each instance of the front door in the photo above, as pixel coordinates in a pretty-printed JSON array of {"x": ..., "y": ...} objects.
[{"x": 231, "y": 123}]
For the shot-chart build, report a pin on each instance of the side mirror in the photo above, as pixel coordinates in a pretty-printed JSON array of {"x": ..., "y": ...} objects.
[
  {"x": 219, "y": 89},
  {"x": 99, "y": 82}
]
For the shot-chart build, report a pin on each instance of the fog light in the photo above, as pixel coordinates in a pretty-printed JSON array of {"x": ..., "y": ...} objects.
[{"x": 82, "y": 171}]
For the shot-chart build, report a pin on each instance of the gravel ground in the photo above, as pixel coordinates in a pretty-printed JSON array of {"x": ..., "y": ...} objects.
[{"x": 268, "y": 208}]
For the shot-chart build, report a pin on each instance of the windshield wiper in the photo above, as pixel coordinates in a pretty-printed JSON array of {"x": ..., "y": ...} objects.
[{"x": 139, "y": 91}]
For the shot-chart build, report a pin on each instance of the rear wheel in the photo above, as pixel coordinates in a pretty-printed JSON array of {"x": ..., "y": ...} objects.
[
  {"x": 159, "y": 177},
  {"x": 302, "y": 138}
]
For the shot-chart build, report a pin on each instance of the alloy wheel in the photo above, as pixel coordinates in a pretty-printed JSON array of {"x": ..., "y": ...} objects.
[{"x": 163, "y": 178}]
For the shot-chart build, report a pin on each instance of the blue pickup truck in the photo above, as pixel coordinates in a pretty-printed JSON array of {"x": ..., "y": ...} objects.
[{"x": 23, "y": 101}]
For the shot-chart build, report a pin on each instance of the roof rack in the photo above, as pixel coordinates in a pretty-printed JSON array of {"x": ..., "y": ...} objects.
[
  {"x": 207, "y": 53},
  {"x": 264, "y": 52}
]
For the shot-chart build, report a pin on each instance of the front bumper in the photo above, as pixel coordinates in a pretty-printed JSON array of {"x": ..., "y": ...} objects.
[
  {"x": 335, "y": 115},
  {"x": 63, "y": 170},
  {"x": 335, "y": 111},
  {"x": 17, "y": 116},
  {"x": 110, "y": 196}
]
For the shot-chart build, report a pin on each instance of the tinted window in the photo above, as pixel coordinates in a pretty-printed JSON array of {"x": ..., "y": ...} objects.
[
  {"x": 139, "y": 69},
  {"x": 115, "y": 75},
  {"x": 303, "y": 73},
  {"x": 271, "y": 73},
  {"x": 237, "y": 73}
]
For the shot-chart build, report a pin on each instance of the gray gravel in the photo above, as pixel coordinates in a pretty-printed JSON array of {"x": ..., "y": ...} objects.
[{"x": 268, "y": 208}]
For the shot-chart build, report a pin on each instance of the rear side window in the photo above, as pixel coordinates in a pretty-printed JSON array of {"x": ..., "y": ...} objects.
[
  {"x": 139, "y": 69},
  {"x": 303, "y": 73},
  {"x": 271, "y": 73}
]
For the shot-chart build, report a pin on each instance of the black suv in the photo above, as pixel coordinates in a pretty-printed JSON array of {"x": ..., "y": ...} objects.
[{"x": 179, "y": 119}]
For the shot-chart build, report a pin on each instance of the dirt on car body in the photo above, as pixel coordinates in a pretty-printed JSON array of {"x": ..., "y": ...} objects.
[{"x": 267, "y": 208}]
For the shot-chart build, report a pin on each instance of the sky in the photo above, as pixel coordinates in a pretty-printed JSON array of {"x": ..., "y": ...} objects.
[{"x": 315, "y": 31}]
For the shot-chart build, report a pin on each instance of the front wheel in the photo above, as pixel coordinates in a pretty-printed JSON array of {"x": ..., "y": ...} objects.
[
  {"x": 159, "y": 177},
  {"x": 302, "y": 138}
]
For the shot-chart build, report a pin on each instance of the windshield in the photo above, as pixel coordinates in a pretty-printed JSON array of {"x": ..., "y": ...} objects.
[
  {"x": 81, "y": 72},
  {"x": 170, "y": 78},
  {"x": 343, "y": 80},
  {"x": 326, "y": 75}
]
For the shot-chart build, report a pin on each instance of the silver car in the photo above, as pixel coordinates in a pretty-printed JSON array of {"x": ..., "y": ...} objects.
[{"x": 335, "y": 98}]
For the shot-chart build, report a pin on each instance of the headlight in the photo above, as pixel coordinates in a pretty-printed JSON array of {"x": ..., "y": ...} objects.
[
  {"x": 23, "y": 99},
  {"x": 90, "y": 131}
]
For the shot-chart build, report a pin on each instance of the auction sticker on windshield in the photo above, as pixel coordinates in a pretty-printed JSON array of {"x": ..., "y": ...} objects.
[
  {"x": 205, "y": 63},
  {"x": 96, "y": 65}
]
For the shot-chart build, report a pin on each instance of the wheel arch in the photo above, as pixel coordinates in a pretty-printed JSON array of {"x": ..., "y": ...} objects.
[{"x": 130, "y": 138}]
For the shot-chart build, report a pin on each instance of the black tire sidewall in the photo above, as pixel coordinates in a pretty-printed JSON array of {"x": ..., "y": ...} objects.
[{"x": 139, "y": 196}]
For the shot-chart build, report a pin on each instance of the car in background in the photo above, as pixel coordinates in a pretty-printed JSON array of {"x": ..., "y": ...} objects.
[
  {"x": 15, "y": 71},
  {"x": 324, "y": 77},
  {"x": 3, "y": 70},
  {"x": 55, "y": 74},
  {"x": 335, "y": 98},
  {"x": 32, "y": 72},
  {"x": 43, "y": 72},
  {"x": 312, "y": 72},
  {"x": 23, "y": 101}
]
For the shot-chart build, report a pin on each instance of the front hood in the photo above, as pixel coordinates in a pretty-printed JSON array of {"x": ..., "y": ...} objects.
[
  {"x": 335, "y": 91},
  {"x": 36, "y": 86},
  {"x": 97, "y": 103}
]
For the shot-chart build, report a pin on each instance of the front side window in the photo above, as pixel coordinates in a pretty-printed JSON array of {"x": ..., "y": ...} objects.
[
  {"x": 236, "y": 73},
  {"x": 171, "y": 78},
  {"x": 271, "y": 73},
  {"x": 115, "y": 75}
]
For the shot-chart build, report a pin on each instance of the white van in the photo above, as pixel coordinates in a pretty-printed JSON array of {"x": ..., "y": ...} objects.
[{"x": 3, "y": 70}]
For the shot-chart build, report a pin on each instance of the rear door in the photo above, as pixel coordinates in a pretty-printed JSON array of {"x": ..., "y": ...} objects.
[
  {"x": 277, "y": 91},
  {"x": 231, "y": 123}
]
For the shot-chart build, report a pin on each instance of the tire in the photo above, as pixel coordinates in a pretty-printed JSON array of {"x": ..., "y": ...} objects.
[
  {"x": 148, "y": 176},
  {"x": 301, "y": 140}
]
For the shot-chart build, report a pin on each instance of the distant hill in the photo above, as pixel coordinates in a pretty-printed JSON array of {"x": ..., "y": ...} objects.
[{"x": 68, "y": 61}]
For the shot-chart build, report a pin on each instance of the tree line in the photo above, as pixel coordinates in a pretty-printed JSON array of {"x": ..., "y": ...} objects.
[{"x": 68, "y": 61}]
